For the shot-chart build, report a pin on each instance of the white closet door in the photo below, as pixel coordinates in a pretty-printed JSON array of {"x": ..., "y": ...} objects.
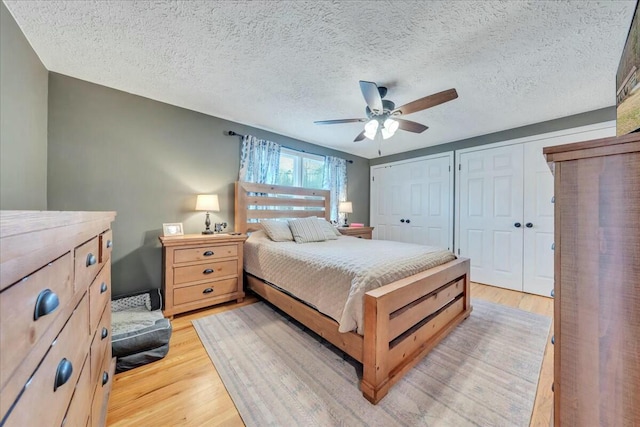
[
  {"x": 491, "y": 229},
  {"x": 538, "y": 221},
  {"x": 412, "y": 201}
]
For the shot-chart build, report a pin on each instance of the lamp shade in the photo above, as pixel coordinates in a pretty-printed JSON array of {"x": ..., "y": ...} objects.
[
  {"x": 345, "y": 207},
  {"x": 207, "y": 202}
]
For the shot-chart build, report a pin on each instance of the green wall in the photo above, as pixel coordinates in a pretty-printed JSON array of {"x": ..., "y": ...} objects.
[
  {"x": 23, "y": 120},
  {"x": 110, "y": 150}
]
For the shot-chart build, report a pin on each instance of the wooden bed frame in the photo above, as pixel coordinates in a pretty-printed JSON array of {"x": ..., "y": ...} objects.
[{"x": 403, "y": 320}]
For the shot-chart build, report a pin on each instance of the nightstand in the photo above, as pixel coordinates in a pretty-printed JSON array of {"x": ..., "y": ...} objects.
[
  {"x": 359, "y": 232},
  {"x": 200, "y": 271}
]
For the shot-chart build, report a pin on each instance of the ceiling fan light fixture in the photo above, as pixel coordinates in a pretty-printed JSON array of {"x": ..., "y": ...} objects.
[
  {"x": 390, "y": 128},
  {"x": 371, "y": 128}
]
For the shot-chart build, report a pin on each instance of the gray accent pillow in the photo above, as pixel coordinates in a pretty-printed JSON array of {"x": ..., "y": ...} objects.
[
  {"x": 330, "y": 232},
  {"x": 278, "y": 231},
  {"x": 306, "y": 230}
]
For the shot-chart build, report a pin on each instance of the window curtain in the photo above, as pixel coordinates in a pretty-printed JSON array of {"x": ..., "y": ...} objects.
[
  {"x": 335, "y": 180},
  {"x": 259, "y": 161}
]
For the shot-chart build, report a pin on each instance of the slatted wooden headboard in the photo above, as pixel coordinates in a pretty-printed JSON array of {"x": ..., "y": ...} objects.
[{"x": 265, "y": 201}]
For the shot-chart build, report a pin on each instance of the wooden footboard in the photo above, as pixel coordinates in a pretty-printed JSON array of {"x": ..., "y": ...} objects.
[{"x": 404, "y": 320}]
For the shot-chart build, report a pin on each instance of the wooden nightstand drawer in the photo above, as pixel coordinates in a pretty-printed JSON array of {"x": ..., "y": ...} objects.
[
  {"x": 205, "y": 271},
  {"x": 200, "y": 271},
  {"x": 86, "y": 263},
  {"x": 205, "y": 253},
  {"x": 106, "y": 245},
  {"x": 207, "y": 290},
  {"x": 359, "y": 232}
]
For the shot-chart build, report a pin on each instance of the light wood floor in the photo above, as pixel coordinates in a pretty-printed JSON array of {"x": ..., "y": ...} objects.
[{"x": 185, "y": 389}]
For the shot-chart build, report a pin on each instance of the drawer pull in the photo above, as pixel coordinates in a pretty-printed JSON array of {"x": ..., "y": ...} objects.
[
  {"x": 208, "y": 271},
  {"x": 63, "y": 373},
  {"x": 553, "y": 339},
  {"x": 105, "y": 333},
  {"x": 208, "y": 253},
  {"x": 109, "y": 244},
  {"x": 91, "y": 259},
  {"x": 553, "y": 293},
  {"x": 105, "y": 378},
  {"x": 207, "y": 291},
  {"x": 359, "y": 237},
  {"x": 103, "y": 288},
  {"x": 46, "y": 303}
]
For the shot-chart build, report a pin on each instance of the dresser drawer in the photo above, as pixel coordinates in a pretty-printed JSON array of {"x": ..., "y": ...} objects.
[
  {"x": 99, "y": 295},
  {"x": 102, "y": 390},
  {"x": 205, "y": 253},
  {"x": 202, "y": 292},
  {"x": 40, "y": 404},
  {"x": 80, "y": 407},
  {"x": 205, "y": 271},
  {"x": 86, "y": 263},
  {"x": 101, "y": 339},
  {"x": 48, "y": 290},
  {"x": 106, "y": 245}
]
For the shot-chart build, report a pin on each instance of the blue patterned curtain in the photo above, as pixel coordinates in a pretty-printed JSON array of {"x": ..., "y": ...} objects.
[
  {"x": 335, "y": 180},
  {"x": 259, "y": 161}
]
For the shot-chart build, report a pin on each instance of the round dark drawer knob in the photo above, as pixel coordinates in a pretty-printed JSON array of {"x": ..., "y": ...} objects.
[
  {"x": 208, "y": 271},
  {"x": 105, "y": 333},
  {"x": 109, "y": 243},
  {"x": 207, "y": 291},
  {"x": 553, "y": 339},
  {"x": 553, "y": 293},
  {"x": 408, "y": 221},
  {"x": 529, "y": 225},
  {"x": 91, "y": 259},
  {"x": 208, "y": 253},
  {"x": 517, "y": 225},
  {"x": 46, "y": 303},
  {"x": 63, "y": 373},
  {"x": 402, "y": 220},
  {"x": 105, "y": 378},
  {"x": 103, "y": 288}
]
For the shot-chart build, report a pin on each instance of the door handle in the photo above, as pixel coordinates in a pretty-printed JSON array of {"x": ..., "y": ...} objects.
[
  {"x": 408, "y": 221},
  {"x": 529, "y": 225},
  {"x": 517, "y": 225},
  {"x": 402, "y": 220}
]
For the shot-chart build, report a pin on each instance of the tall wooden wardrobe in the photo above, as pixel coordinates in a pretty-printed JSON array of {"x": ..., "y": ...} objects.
[{"x": 597, "y": 282}]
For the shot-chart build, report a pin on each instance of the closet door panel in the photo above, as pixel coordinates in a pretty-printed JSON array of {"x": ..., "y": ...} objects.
[{"x": 491, "y": 229}]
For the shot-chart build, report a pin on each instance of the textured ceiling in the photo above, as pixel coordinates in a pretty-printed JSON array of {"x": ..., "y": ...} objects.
[{"x": 280, "y": 65}]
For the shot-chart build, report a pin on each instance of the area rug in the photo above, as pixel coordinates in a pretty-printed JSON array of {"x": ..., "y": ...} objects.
[{"x": 485, "y": 373}]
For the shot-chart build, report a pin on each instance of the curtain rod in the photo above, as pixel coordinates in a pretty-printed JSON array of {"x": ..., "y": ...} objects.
[{"x": 232, "y": 133}]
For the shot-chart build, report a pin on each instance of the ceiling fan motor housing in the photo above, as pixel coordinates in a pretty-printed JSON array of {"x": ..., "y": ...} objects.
[{"x": 387, "y": 108}]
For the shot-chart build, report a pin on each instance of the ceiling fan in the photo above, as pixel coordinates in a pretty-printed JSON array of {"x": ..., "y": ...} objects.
[{"x": 382, "y": 114}]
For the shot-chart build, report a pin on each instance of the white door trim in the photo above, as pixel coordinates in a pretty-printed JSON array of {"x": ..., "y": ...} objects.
[{"x": 449, "y": 154}]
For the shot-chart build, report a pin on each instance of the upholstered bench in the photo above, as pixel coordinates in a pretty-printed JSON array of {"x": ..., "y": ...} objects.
[{"x": 140, "y": 333}]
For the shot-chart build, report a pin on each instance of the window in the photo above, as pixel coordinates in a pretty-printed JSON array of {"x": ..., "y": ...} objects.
[{"x": 300, "y": 169}]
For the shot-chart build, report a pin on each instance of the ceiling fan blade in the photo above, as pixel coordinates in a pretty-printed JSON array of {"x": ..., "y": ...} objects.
[
  {"x": 360, "y": 137},
  {"x": 427, "y": 102},
  {"x": 410, "y": 126},
  {"x": 372, "y": 96},
  {"x": 335, "y": 122}
]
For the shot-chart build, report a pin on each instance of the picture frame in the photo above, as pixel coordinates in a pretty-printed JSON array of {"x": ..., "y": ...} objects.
[{"x": 172, "y": 229}]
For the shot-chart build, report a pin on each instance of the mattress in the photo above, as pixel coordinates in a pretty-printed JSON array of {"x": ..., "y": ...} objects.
[{"x": 333, "y": 276}]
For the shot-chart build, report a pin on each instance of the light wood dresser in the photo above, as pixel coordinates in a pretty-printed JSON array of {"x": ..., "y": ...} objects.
[
  {"x": 55, "y": 318},
  {"x": 597, "y": 282},
  {"x": 360, "y": 232},
  {"x": 201, "y": 270}
]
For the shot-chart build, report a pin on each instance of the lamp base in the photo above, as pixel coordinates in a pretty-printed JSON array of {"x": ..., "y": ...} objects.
[{"x": 207, "y": 232}]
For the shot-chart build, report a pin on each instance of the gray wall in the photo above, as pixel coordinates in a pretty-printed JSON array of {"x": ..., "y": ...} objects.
[
  {"x": 110, "y": 150},
  {"x": 23, "y": 120},
  {"x": 583, "y": 119}
]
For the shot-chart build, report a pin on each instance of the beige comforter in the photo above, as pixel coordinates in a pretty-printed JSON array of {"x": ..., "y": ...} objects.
[{"x": 334, "y": 275}]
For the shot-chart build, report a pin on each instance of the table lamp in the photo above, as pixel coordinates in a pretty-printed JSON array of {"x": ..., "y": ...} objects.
[
  {"x": 208, "y": 203},
  {"x": 345, "y": 208}
]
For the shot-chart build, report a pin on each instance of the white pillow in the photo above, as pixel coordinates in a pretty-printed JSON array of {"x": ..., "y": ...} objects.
[
  {"x": 306, "y": 230},
  {"x": 329, "y": 230},
  {"x": 278, "y": 231}
]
